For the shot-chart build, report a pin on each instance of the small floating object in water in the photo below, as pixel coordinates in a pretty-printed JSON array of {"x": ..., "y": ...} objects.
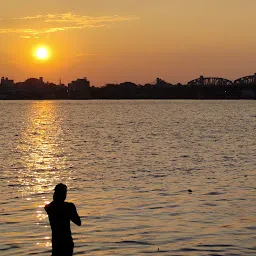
[
  {"x": 189, "y": 190},
  {"x": 245, "y": 175}
]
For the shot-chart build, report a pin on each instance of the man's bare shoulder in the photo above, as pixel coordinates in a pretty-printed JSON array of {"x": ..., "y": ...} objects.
[{"x": 70, "y": 205}]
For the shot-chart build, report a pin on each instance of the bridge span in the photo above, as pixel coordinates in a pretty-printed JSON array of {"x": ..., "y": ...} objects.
[
  {"x": 217, "y": 81},
  {"x": 247, "y": 80}
]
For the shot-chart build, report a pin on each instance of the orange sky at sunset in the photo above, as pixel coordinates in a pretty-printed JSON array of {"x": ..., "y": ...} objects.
[{"x": 112, "y": 41}]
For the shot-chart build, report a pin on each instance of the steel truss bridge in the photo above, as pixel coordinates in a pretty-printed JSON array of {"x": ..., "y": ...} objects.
[
  {"x": 246, "y": 80},
  {"x": 216, "y": 81}
]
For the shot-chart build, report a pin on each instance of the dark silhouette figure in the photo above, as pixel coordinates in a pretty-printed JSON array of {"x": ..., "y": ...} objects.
[{"x": 60, "y": 214}]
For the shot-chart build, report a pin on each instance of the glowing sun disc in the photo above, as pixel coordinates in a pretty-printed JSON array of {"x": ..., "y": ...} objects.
[{"x": 42, "y": 53}]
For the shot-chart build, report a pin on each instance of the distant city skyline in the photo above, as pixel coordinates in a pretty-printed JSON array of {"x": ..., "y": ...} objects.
[
  {"x": 200, "y": 88},
  {"x": 116, "y": 41},
  {"x": 250, "y": 79}
]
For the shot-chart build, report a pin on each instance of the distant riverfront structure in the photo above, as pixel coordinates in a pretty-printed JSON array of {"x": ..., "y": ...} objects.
[
  {"x": 213, "y": 81},
  {"x": 200, "y": 88},
  {"x": 79, "y": 89}
]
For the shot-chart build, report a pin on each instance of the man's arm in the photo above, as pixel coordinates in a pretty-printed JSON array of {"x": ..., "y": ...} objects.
[{"x": 74, "y": 215}]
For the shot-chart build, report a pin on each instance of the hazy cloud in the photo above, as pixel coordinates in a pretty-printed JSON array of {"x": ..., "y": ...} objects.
[{"x": 51, "y": 23}]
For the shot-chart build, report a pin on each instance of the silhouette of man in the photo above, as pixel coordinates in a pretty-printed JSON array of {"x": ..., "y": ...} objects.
[{"x": 60, "y": 214}]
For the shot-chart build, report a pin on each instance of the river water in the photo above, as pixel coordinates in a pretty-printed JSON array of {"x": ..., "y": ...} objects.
[{"x": 128, "y": 166}]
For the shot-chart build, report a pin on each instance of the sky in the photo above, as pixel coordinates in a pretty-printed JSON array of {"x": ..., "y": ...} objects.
[{"x": 113, "y": 41}]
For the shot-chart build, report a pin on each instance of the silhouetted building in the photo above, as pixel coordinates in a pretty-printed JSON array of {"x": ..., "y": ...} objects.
[
  {"x": 7, "y": 84},
  {"x": 31, "y": 88},
  {"x": 6, "y": 88},
  {"x": 79, "y": 89},
  {"x": 35, "y": 88}
]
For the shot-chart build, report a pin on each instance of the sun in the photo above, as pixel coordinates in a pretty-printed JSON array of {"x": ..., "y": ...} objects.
[{"x": 42, "y": 53}]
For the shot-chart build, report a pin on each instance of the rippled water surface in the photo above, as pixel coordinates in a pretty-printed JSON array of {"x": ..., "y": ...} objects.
[{"x": 128, "y": 166}]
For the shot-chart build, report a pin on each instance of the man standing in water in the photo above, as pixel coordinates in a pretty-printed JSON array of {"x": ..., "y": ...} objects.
[{"x": 60, "y": 214}]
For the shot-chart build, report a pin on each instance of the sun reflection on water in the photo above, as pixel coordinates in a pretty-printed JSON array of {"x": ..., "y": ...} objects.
[{"x": 41, "y": 147}]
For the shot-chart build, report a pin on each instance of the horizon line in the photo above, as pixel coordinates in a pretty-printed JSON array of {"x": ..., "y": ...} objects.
[{"x": 127, "y": 81}]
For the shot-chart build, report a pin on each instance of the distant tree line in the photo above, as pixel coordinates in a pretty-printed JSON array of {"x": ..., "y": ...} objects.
[{"x": 80, "y": 89}]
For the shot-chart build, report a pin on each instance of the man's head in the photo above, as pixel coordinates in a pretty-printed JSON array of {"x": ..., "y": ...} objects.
[{"x": 60, "y": 192}]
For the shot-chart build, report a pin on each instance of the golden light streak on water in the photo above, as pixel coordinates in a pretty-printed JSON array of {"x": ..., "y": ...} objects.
[{"x": 40, "y": 145}]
